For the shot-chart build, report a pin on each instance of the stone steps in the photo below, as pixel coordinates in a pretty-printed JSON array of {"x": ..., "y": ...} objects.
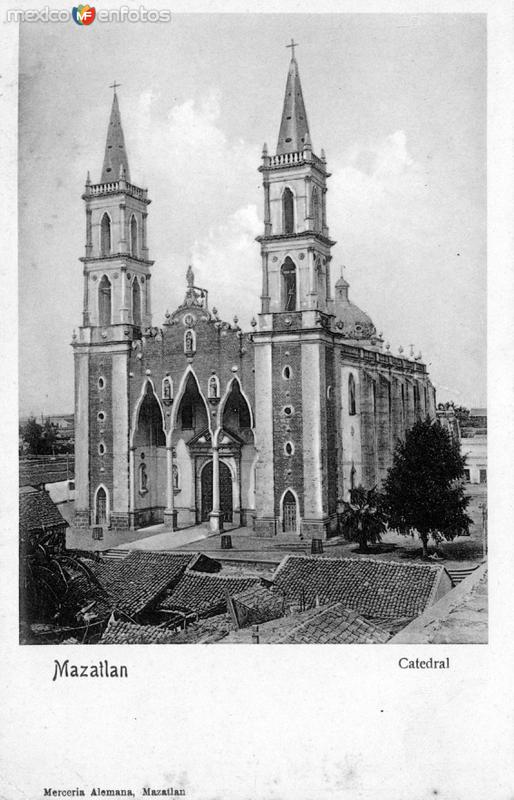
[{"x": 458, "y": 574}]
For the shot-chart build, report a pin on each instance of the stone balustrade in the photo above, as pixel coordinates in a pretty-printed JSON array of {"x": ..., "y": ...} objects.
[
  {"x": 291, "y": 159},
  {"x": 112, "y": 187}
]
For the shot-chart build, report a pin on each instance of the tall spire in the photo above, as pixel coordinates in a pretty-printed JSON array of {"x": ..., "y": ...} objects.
[
  {"x": 294, "y": 127},
  {"x": 115, "y": 153}
]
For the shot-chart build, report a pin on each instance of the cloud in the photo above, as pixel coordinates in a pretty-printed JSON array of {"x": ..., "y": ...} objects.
[
  {"x": 226, "y": 260},
  {"x": 188, "y": 157},
  {"x": 378, "y": 187},
  {"x": 198, "y": 178}
]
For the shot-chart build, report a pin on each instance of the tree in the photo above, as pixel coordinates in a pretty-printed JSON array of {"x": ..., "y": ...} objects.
[
  {"x": 424, "y": 489},
  {"x": 461, "y": 412},
  {"x": 363, "y": 517},
  {"x": 39, "y": 439},
  {"x": 32, "y": 435},
  {"x": 49, "y": 437}
]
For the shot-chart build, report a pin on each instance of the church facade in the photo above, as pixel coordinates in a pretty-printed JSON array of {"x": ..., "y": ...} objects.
[{"x": 199, "y": 421}]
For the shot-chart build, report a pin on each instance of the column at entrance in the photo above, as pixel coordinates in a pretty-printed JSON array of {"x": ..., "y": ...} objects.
[
  {"x": 216, "y": 518},
  {"x": 170, "y": 515},
  {"x": 132, "y": 487}
]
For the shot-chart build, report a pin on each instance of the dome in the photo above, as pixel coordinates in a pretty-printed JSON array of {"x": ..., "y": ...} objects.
[{"x": 351, "y": 320}]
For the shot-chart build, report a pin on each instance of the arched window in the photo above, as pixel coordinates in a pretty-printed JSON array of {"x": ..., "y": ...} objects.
[
  {"x": 189, "y": 343},
  {"x": 104, "y": 301},
  {"x": 136, "y": 303},
  {"x": 316, "y": 210},
  {"x": 105, "y": 236},
  {"x": 417, "y": 401},
  {"x": 167, "y": 389},
  {"x": 320, "y": 280},
  {"x": 288, "y": 211},
  {"x": 143, "y": 478},
  {"x": 213, "y": 389},
  {"x": 352, "y": 406},
  {"x": 289, "y": 285},
  {"x": 133, "y": 236},
  {"x": 101, "y": 507}
]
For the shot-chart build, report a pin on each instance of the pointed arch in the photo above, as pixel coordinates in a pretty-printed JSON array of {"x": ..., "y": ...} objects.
[
  {"x": 289, "y": 289},
  {"x": 289, "y": 511},
  {"x": 240, "y": 409},
  {"x": 136, "y": 302},
  {"x": 288, "y": 215},
  {"x": 105, "y": 235},
  {"x": 147, "y": 389},
  {"x": 133, "y": 236},
  {"x": 189, "y": 382},
  {"x": 104, "y": 301},
  {"x": 101, "y": 505}
]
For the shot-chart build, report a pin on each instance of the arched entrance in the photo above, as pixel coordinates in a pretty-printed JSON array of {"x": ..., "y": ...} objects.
[
  {"x": 101, "y": 507},
  {"x": 289, "y": 514},
  {"x": 226, "y": 503},
  {"x": 149, "y": 472}
]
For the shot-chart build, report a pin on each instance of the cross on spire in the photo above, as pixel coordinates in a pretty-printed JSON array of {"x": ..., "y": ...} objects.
[
  {"x": 114, "y": 86},
  {"x": 292, "y": 46}
]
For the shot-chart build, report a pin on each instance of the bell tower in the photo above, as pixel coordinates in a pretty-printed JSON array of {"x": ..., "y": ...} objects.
[
  {"x": 116, "y": 264},
  {"x": 296, "y": 488},
  {"x": 116, "y": 312},
  {"x": 295, "y": 246}
]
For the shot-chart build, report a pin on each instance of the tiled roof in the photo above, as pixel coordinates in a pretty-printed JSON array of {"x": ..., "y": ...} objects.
[
  {"x": 332, "y": 624},
  {"x": 33, "y": 473},
  {"x": 374, "y": 588},
  {"x": 120, "y": 632},
  {"x": 137, "y": 581},
  {"x": 460, "y": 617},
  {"x": 205, "y": 594},
  {"x": 38, "y": 512},
  {"x": 256, "y": 604},
  {"x": 205, "y": 631}
]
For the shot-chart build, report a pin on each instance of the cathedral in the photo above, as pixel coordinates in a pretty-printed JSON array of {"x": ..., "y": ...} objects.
[{"x": 197, "y": 421}]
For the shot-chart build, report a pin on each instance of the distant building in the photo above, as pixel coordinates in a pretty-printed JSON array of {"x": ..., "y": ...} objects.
[
  {"x": 473, "y": 442},
  {"x": 55, "y": 474}
]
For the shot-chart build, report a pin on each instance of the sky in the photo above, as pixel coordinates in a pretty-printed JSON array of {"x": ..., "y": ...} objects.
[{"x": 397, "y": 101}]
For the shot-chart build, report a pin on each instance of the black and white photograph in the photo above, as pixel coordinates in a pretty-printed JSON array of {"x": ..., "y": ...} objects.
[
  {"x": 269, "y": 419},
  {"x": 263, "y": 326}
]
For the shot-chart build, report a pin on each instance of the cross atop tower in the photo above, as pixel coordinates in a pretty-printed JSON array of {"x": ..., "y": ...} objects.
[
  {"x": 115, "y": 85},
  {"x": 292, "y": 46}
]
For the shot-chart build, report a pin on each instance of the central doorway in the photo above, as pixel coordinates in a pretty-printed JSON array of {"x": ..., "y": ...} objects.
[{"x": 225, "y": 492}]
